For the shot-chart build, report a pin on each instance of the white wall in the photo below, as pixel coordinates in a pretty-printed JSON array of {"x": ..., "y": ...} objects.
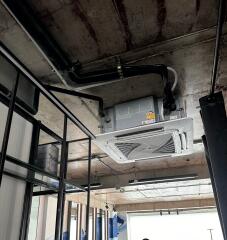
[
  {"x": 185, "y": 226},
  {"x": 33, "y": 223}
]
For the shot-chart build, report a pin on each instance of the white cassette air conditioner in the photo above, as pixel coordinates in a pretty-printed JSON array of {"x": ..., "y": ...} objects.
[{"x": 128, "y": 135}]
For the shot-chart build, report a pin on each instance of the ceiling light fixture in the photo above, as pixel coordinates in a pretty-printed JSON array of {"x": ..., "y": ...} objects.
[
  {"x": 165, "y": 179},
  {"x": 93, "y": 186}
]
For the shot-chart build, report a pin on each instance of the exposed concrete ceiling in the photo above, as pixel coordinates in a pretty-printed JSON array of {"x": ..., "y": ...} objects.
[
  {"x": 196, "y": 189},
  {"x": 179, "y": 34},
  {"x": 91, "y": 30},
  {"x": 175, "y": 206},
  {"x": 159, "y": 192}
]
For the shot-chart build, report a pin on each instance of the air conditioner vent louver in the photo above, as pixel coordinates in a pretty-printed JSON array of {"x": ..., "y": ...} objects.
[
  {"x": 127, "y": 148},
  {"x": 169, "y": 138},
  {"x": 168, "y": 147}
]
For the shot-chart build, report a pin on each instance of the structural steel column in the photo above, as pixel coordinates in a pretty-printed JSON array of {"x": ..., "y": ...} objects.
[
  {"x": 88, "y": 189},
  {"x": 61, "y": 197},
  {"x": 29, "y": 186},
  {"x": 212, "y": 180},
  {"x": 8, "y": 126},
  {"x": 215, "y": 125}
]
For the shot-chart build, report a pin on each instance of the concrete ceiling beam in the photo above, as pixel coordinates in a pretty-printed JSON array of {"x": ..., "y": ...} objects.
[
  {"x": 157, "y": 49},
  {"x": 122, "y": 180},
  {"x": 95, "y": 203},
  {"x": 167, "y": 205}
]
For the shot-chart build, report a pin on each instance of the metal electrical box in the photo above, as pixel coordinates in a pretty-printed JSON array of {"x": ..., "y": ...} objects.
[
  {"x": 132, "y": 114},
  {"x": 137, "y": 113}
]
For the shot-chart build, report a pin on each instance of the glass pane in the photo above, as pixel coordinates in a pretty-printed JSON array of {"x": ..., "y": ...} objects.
[
  {"x": 20, "y": 135},
  {"x": 12, "y": 190},
  {"x": 40, "y": 180}
]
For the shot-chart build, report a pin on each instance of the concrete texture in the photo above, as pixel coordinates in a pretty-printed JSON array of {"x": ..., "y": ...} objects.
[
  {"x": 89, "y": 30},
  {"x": 171, "y": 205},
  {"x": 159, "y": 192},
  {"x": 95, "y": 202}
]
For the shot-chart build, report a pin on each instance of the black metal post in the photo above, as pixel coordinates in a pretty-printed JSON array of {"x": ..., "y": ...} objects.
[
  {"x": 60, "y": 202},
  {"x": 65, "y": 175},
  {"x": 8, "y": 126},
  {"x": 220, "y": 22},
  {"x": 88, "y": 189},
  {"x": 215, "y": 126},
  {"x": 213, "y": 181},
  {"x": 25, "y": 219},
  {"x": 29, "y": 186}
]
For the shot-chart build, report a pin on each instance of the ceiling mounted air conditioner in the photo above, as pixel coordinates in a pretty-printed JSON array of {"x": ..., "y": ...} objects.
[{"x": 156, "y": 140}]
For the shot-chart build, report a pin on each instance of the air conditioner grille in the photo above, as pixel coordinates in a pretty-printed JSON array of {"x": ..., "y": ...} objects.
[
  {"x": 157, "y": 140},
  {"x": 127, "y": 148},
  {"x": 167, "y": 147}
]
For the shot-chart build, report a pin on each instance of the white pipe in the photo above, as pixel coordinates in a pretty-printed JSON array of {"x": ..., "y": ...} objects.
[{"x": 175, "y": 77}]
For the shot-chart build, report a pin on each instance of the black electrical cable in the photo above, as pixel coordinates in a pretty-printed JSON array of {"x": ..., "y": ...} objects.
[{"x": 220, "y": 22}]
